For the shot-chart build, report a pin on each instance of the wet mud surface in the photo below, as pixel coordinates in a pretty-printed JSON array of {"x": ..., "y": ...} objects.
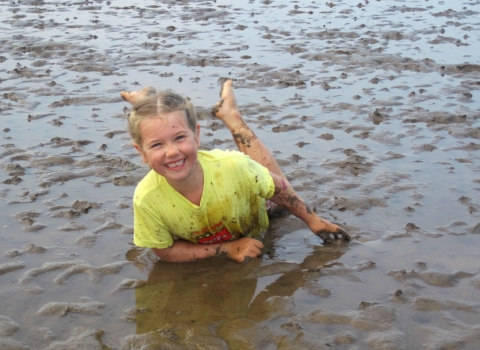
[{"x": 372, "y": 110}]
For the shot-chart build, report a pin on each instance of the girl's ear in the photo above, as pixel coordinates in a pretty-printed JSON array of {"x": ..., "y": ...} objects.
[
  {"x": 142, "y": 153},
  {"x": 197, "y": 135}
]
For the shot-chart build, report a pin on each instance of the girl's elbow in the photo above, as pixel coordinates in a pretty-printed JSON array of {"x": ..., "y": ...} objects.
[{"x": 163, "y": 254}]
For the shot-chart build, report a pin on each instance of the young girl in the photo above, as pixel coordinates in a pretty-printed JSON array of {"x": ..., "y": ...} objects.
[{"x": 197, "y": 204}]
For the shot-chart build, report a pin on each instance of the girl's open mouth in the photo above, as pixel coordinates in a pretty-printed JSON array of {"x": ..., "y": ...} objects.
[{"x": 176, "y": 164}]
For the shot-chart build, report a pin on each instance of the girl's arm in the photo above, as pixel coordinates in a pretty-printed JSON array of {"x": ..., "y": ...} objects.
[
  {"x": 239, "y": 250},
  {"x": 286, "y": 196}
]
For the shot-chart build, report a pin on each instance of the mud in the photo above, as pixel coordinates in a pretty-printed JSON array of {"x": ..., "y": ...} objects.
[{"x": 372, "y": 110}]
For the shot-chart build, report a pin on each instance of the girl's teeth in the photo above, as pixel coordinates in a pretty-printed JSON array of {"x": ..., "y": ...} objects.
[{"x": 180, "y": 162}]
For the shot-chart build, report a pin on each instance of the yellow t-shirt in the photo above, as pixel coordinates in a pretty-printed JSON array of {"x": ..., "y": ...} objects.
[{"x": 232, "y": 206}]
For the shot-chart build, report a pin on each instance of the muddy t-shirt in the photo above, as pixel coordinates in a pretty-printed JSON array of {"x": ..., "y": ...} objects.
[{"x": 232, "y": 204}]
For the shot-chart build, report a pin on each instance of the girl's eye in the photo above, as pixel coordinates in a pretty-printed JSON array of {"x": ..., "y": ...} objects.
[
  {"x": 179, "y": 138},
  {"x": 156, "y": 145}
]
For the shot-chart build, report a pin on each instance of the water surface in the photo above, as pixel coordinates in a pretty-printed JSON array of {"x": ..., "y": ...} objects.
[{"x": 372, "y": 110}]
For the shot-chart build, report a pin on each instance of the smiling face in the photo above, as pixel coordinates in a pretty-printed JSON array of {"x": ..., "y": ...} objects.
[{"x": 170, "y": 147}]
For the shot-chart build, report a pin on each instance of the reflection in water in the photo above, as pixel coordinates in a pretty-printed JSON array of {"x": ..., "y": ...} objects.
[{"x": 211, "y": 291}]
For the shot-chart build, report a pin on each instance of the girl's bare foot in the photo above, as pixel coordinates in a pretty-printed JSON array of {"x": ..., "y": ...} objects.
[
  {"x": 227, "y": 109},
  {"x": 134, "y": 96}
]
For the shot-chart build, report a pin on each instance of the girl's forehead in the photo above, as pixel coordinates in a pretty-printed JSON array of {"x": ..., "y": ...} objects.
[
  {"x": 176, "y": 116},
  {"x": 177, "y": 119}
]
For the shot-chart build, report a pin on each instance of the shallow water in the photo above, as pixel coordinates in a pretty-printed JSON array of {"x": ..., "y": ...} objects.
[{"x": 372, "y": 110}]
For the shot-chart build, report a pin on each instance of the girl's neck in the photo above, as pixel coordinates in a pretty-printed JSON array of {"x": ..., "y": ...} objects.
[{"x": 191, "y": 188}]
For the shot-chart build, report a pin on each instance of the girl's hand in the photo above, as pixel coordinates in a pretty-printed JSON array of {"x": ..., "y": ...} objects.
[
  {"x": 243, "y": 249},
  {"x": 330, "y": 232}
]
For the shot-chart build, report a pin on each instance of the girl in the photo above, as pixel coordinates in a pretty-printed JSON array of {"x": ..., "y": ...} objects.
[{"x": 197, "y": 204}]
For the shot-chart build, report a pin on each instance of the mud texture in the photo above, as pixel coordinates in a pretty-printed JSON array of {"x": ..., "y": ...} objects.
[{"x": 371, "y": 109}]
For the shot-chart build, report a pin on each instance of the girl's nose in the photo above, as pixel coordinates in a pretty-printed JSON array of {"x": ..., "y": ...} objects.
[{"x": 171, "y": 150}]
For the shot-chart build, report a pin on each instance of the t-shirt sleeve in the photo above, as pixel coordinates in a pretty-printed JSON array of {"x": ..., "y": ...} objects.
[
  {"x": 263, "y": 181},
  {"x": 149, "y": 229}
]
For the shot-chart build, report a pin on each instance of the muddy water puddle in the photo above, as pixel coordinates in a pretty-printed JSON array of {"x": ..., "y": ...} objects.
[{"x": 371, "y": 109}]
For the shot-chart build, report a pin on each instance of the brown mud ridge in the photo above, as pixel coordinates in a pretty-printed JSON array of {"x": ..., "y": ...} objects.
[{"x": 372, "y": 110}]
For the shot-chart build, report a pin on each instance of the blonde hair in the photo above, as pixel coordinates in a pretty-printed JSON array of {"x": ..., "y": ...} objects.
[{"x": 153, "y": 106}]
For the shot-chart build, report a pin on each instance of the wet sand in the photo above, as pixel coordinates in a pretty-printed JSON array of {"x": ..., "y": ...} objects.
[{"x": 372, "y": 110}]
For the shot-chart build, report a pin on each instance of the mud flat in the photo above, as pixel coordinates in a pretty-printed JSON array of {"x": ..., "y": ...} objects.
[{"x": 372, "y": 110}]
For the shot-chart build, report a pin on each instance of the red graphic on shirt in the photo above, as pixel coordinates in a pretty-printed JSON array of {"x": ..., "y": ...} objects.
[{"x": 221, "y": 236}]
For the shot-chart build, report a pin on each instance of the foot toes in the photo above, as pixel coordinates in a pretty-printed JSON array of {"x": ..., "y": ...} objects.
[
  {"x": 125, "y": 95},
  {"x": 134, "y": 96},
  {"x": 216, "y": 108},
  {"x": 227, "y": 84}
]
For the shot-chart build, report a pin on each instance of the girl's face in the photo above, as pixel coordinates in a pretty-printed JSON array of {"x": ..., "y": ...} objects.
[{"x": 170, "y": 147}]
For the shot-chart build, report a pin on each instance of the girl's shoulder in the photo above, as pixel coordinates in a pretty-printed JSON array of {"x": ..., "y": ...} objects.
[
  {"x": 149, "y": 183},
  {"x": 229, "y": 159},
  {"x": 219, "y": 155}
]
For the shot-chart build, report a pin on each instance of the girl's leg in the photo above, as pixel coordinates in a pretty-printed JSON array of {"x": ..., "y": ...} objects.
[
  {"x": 247, "y": 142},
  {"x": 227, "y": 111}
]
